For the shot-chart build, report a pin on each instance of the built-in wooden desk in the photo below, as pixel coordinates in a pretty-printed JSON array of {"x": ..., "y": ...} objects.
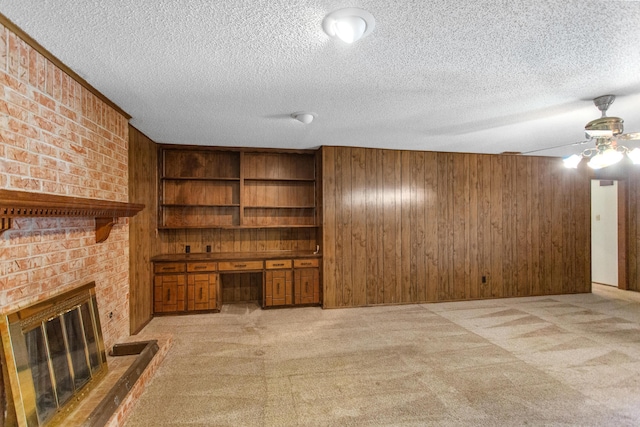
[{"x": 192, "y": 282}]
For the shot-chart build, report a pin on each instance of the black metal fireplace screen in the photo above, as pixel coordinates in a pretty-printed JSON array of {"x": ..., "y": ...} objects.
[{"x": 54, "y": 351}]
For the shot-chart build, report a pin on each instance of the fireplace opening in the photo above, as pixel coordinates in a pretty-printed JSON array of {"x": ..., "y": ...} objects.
[{"x": 54, "y": 354}]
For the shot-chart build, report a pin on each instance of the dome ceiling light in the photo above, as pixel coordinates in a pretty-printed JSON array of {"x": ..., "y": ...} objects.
[
  {"x": 349, "y": 24},
  {"x": 304, "y": 117}
]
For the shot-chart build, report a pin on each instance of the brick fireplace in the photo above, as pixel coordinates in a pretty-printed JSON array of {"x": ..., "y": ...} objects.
[{"x": 59, "y": 137}]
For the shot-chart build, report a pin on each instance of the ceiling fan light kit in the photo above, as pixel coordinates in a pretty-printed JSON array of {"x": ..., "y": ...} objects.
[
  {"x": 349, "y": 25},
  {"x": 605, "y": 130}
]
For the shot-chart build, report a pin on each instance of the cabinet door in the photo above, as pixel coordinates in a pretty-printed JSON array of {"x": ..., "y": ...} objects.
[
  {"x": 307, "y": 286},
  {"x": 169, "y": 293},
  {"x": 278, "y": 287},
  {"x": 202, "y": 291}
]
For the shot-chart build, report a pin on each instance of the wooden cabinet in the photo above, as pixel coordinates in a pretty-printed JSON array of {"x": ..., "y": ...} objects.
[
  {"x": 202, "y": 286},
  {"x": 195, "y": 282},
  {"x": 202, "y": 291},
  {"x": 307, "y": 281},
  {"x": 307, "y": 286},
  {"x": 169, "y": 292},
  {"x": 278, "y": 287},
  {"x": 180, "y": 287},
  {"x": 214, "y": 188}
]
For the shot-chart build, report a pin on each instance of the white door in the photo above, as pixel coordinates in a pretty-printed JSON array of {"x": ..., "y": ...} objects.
[{"x": 604, "y": 232}]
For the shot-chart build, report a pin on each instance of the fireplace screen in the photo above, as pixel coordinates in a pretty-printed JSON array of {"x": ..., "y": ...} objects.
[{"x": 57, "y": 350}]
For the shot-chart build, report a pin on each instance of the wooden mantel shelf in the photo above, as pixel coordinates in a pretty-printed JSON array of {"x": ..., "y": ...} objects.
[{"x": 21, "y": 204}]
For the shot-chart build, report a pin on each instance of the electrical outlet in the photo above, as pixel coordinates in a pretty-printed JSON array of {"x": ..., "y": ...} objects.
[
  {"x": 484, "y": 279},
  {"x": 187, "y": 248}
]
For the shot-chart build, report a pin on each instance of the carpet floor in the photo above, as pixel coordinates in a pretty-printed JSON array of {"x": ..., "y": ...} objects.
[{"x": 556, "y": 361}]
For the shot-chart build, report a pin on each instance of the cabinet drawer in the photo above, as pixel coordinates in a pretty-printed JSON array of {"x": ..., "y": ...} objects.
[
  {"x": 202, "y": 266},
  {"x": 240, "y": 265},
  {"x": 168, "y": 267},
  {"x": 298, "y": 263},
  {"x": 275, "y": 264}
]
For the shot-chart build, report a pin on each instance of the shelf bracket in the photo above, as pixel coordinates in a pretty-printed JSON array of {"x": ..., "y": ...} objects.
[{"x": 103, "y": 228}]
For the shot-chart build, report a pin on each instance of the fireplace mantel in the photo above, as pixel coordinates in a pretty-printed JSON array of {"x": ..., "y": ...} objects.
[{"x": 21, "y": 204}]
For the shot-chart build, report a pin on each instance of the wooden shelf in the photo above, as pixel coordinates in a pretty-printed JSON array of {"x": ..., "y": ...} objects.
[
  {"x": 251, "y": 190},
  {"x": 182, "y": 178},
  {"x": 232, "y": 227},
  {"x": 310, "y": 180},
  {"x": 277, "y": 207},
  {"x": 22, "y": 204},
  {"x": 219, "y": 205}
]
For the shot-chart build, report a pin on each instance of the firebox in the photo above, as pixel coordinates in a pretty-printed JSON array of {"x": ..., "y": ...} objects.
[{"x": 54, "y": 352}]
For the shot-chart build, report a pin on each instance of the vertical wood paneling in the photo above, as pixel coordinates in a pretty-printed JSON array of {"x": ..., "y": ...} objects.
[
  {"x": 142, "y": 236},
  {"x": 431, "y": 225},
  {"x": 329, "y": 227},
  {"x": 631, "y": 208},
  {"x": 557, "y": 226},
  {"x": 359, "y": 228},
  {"x": 472, "y": 261},
  {"x": 420, "y": 226},
  {"x": 497, "y": 265},
  {"x": 380, "y": 208},
  {"x": 445, "y": 226},
  {"x": 372, "y": 193},
  {"x": 407, "y": 292},
  {"x": 345, "y": 226},
  {"x": 389, "y": 227},
  {"x": 397, "y": 187},
  {"x": 484, "y": 225},
  {"x": 534, "y": 230}
]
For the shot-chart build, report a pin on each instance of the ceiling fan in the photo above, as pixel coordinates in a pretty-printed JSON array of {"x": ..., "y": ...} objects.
[{"x": 605, "y": 131}]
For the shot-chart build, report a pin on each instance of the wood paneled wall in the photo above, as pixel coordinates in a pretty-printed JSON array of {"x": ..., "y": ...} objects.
[
  {"x": 410, "y": 226},
  {"x": 142, "y": 228},
  {"x": 631, "y": 228}
]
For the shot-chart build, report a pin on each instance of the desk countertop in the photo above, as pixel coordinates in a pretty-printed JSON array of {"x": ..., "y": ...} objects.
[{"x": 234, "y": 256}]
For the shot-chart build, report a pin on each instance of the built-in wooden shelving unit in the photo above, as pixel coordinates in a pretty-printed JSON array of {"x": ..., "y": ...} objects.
[{"x": 217, "y": 188}]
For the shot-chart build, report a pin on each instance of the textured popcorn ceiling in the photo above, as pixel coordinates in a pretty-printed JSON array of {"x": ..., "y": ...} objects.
[{"x": 468, "y": 76}]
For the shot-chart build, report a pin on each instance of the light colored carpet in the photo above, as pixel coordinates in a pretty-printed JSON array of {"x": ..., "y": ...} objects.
[{"x": 559, "y": 360}]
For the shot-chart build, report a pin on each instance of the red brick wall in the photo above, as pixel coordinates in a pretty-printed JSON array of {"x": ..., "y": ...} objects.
[{"x": 57, "y": 137}]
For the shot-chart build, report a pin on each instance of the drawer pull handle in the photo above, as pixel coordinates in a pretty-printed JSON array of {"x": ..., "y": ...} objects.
[
  {"x": 200, "y": 293},
  {"x": 168, "y": 268},
  {"x": 168, "y": 295},
  {"x": 278, "y": 265},
  {"x": 199, "y": 267},
  {"x": 240, "y": 265},
  {"x": 305, "y": 263}
]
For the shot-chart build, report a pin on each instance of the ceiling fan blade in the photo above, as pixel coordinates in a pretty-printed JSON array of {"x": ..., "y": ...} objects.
[
  {"x": 629, "y": 136},
  {"x": 557, "y": 146}
]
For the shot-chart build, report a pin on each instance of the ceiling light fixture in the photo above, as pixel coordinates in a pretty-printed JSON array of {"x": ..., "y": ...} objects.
[
  {"x": 349, "y": 24},
  {"x": 606, "y": 153},
  {"x": 605, "y": 131},
  {"x": 304, "y": 117}
]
